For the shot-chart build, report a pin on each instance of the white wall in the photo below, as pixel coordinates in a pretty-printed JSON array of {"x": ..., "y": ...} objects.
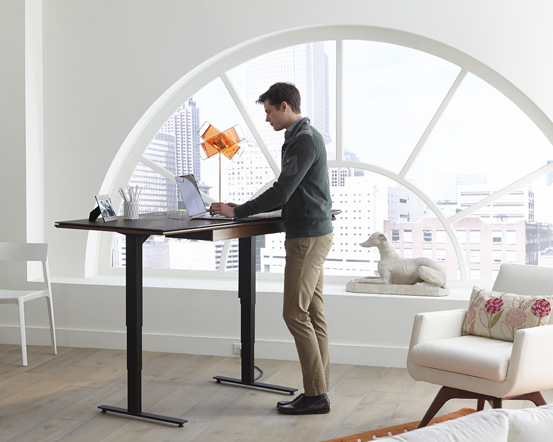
[
  {"x": 195, "y": 319},
  {"x": 106, "y": 62},
  {"x": 12, "y": 132}
]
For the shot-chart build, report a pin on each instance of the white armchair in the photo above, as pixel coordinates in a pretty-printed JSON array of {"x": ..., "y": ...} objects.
[{"x": 473, "y": 367}]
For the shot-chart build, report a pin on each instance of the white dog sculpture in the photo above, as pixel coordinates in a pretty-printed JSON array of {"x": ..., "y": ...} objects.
[{"x": 394, "y": 269}]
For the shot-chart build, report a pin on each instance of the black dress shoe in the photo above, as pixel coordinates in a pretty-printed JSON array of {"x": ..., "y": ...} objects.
[
  {"x": 303, "y": 406},
  {"x": 283, "y": 403}
]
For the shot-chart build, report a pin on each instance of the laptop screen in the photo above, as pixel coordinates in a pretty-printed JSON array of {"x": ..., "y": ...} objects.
[{"x": 191, "y": 197}]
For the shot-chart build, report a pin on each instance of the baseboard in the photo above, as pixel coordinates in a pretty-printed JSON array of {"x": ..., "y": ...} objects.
[{"x": 205, "y": 345}]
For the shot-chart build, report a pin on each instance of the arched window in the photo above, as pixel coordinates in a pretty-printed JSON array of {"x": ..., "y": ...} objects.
[{"x": 423, "y": 142}]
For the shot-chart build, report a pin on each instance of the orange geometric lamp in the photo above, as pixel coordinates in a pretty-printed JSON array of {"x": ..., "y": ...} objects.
[{"x": 220, "y": 143}]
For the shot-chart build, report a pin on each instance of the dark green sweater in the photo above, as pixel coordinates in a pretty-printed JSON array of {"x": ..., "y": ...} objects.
[{"x": 302, "y": 189}]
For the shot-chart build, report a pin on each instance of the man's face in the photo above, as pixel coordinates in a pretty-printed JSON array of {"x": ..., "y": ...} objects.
[{"x": 275, "y": 117}]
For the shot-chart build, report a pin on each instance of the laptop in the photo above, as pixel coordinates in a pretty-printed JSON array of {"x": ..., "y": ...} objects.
[{"x": 192, "y": 199}]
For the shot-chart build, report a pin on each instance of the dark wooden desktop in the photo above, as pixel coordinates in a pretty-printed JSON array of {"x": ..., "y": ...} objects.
[{"x": 136, "y": 232}]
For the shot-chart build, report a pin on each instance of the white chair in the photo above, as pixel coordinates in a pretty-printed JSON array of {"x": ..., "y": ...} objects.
[
  {"x": 28, "y": 252},
  {"x": 473, "y": 367}
]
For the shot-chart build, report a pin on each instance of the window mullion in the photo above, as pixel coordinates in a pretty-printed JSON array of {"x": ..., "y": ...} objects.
[
  {"x": 164, "y": 172},
  {"x": 224, "y": 256},
  {"x": 250, "y": 123},
  {"x": 433, "y": 123},
  {"x": 339, "y": 98},
  {"x": 170, "y": 176},
  {"x": 501, "y": 193}
]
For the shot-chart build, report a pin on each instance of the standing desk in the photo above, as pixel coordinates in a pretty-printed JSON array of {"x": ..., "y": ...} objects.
[{"x": 138, "y": 231}]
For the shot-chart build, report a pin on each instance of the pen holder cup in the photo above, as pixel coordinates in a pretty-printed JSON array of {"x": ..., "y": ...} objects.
[{"x": 130, "y": 209}]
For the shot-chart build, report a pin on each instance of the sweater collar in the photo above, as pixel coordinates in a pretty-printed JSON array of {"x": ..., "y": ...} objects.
[{"x": 294, "y": 127}]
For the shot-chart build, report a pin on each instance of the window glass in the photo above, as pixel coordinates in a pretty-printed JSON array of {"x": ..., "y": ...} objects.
[
  {"x": 461, "y": 236},
  {"x": 174, "y": 149},
  {"x": 511, "y": 236},
  {"x": 511, "y": 256},
  {"x": 521, "y": 222},
  {"x": 479, "y": 123},
  {"x": 390, "y": 95},
  {"x": 427, "y": 253},
  {"x": 312, "y": 68}
]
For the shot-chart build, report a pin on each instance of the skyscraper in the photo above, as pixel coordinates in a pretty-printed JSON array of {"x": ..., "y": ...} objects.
[
  {"x": 306, "y": 66},
  {"x": 158, "y": 193},
  {"x": 184, "y": 125}
]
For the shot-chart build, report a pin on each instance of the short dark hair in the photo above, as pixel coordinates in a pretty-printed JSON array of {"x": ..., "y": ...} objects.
[{"x": 280, "y": 92}]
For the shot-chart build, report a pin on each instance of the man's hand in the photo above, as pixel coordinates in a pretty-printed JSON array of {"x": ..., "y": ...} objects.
[{"x": 223, "y": 209}]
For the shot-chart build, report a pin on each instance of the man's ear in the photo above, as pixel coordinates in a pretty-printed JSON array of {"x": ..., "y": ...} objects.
[{"x": 284, "y": 106}]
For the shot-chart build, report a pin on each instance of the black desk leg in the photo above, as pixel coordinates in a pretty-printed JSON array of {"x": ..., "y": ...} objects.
[
  {"x": 246, "y": 293},
  {"x": 134, "y": 316}
]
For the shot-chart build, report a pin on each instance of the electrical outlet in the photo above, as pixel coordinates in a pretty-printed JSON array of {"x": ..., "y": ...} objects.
[{"x": 237, "y": 348}]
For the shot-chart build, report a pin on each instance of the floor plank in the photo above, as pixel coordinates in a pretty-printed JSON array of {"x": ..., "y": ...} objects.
[{"x": 56, "y": 398}]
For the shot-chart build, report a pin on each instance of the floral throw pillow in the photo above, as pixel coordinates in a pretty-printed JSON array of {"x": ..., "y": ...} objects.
[{"x": 499, "y": 315}]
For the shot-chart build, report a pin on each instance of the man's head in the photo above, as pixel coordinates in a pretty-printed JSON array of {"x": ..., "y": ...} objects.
[{"x": 282, "y": 105}]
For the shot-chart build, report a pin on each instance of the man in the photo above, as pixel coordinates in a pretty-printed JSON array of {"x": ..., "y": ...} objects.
[{"x": 302, "y": 190}]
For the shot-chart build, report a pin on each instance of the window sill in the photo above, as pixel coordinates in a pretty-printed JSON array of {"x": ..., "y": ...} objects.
[{"x": 457, "y": 293}]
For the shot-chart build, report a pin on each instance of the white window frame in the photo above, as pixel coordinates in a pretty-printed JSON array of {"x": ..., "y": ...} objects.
[{"x": 131, "y": 152}]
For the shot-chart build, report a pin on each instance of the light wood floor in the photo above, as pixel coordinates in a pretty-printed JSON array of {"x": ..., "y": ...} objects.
[{"x": 55, "y": 398}]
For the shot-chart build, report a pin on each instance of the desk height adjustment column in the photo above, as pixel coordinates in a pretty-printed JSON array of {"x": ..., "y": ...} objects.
[
  {"x": 134, "y": 321},
  {"x": 246, "y": 293}
]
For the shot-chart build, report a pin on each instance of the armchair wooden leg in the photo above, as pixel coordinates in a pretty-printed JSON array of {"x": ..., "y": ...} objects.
[
  {"x": 481, "y": 403},
  {"x": 536, "y": 397},
  {"x": 444, "y": 395},
  {"x": 496, "y": 402},
  {"x": 447, "y": 393}
]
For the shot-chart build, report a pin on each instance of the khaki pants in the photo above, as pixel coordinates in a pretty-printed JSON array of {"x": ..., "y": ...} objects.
[{"x": 303, "y": 309}]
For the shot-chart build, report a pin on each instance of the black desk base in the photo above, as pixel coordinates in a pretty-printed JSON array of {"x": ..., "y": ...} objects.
[
  {"x": 156, "y": 417},
  {"x": 134, "y": 316},
  {"x": 255, "y": 384},
  {"x": 246, "y": 293}
]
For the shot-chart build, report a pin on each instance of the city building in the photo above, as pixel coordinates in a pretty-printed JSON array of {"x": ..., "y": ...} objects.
[
  {"x": 306, "y": 66},
  {"x": 158, "y": 194},
  {"x": 485, "y": 245},
  {"x": 451, "y": 180},
  {"x": 517, "y": 205},
  {"x": 366, "y": 202},
  {"x": 184, "y": 125}
]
